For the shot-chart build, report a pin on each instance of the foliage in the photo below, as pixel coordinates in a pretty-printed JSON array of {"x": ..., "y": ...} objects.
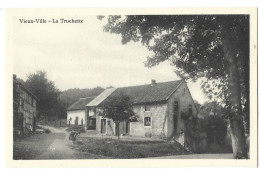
[
  {"x": 47, "y": 131},
  {"x": 216, "y": 129},
  {"x": 212, "y": 129},
  {"x": 46, "y": 93},
  {"x": 129, "y": 149},
  {"x": 211, "y": 108},
  {"x": 119, "y": 108},
  {"x": 53, "y": 102}
]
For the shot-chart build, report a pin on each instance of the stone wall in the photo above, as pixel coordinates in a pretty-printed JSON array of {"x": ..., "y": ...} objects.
[
  {"x": 184, "y": 99},
  {"x": 158, "y": 126}
]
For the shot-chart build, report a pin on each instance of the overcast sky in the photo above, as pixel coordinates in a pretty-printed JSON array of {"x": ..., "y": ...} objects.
[{"x": 83, "y": 56}]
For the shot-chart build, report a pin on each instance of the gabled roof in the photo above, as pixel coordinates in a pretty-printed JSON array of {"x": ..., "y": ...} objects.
[
  {"x": 150, "y": 93},
  {"x": 80, "y": 104},
  {"x": 101, "y": 97},
  {"x": 142, "y": 94}
]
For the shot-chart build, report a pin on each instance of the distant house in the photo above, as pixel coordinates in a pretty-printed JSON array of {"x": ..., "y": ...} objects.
[
  {"x": 158, "y": 107},
  {"x": 94, "y": 122},
  {"x": 24, "y": 108},
  {"x": 76, "y": 112}
]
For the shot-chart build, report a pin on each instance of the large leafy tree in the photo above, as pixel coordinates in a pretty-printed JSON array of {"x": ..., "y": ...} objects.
[
  {"x": 46, "y": 92},
  {"x": 119, "y": 108},
  {"x": 214, "y": 47}
]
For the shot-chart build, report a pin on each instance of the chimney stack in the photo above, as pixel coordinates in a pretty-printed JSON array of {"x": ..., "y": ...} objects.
[
  {"x": 153, "y": 82},
  {"x": 14, "y": 76}
]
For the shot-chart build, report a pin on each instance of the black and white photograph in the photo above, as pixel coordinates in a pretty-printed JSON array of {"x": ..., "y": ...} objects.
[{"x": 109, "y": 84}]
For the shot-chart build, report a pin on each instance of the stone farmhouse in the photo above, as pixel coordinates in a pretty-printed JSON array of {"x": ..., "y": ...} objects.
[
  {"x": 76, "y": 112},
  {"x": 158, "y": 106},
  {"x": 24, "y": 108}
]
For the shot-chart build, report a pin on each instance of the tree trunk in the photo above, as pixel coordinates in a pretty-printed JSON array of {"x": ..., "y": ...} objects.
[
  {"x": 117, "y": 127},
  {"x": 236, "y": 115}
]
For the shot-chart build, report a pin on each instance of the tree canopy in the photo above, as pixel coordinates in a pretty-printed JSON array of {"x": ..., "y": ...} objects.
[
  {"x": 118, "y": 108},
  {"x": 192, "y": 43},
  {"x": 45, "y": 91}
]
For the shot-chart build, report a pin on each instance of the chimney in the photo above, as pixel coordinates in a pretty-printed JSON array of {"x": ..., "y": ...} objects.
[
  {"x": 14, "y": 76},
  {"x": 153, "y": 82}
]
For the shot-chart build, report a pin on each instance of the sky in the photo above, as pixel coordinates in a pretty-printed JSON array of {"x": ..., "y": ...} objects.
[{"x": 84, "y": 56}]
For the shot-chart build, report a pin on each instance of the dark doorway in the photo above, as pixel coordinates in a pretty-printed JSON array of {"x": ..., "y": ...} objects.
[
  {"x": 103, "y": 126},
  {"x": 127, "y": 127},
  {"x": 92, "y": 124},
  {"x": 34, "y": 123},
  {"x": 76, "y": 121}
]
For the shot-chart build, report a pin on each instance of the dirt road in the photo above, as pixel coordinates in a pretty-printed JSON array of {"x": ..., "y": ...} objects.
[
  {"x": 59, "y": 148},
  {"x": 55, "y": 145}
]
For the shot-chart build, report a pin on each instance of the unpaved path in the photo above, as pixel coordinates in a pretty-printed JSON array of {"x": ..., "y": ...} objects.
[{"x": 60, "y": 147}]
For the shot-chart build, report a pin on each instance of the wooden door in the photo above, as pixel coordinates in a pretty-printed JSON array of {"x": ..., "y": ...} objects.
[{"x": 103, "y": 126}]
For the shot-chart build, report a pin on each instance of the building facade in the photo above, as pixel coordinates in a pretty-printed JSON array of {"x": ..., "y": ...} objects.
[
  {"x": 76, "y": 112},
  {"x": 24, "y": 108},
  {"x": 159, "y": 108}
]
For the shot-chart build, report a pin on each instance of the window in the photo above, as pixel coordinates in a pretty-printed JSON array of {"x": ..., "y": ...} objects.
[
  {"x": 147, "y": 121},
  {"x": 92, "y": 112},
  {"x": 21, "y": 102},
  {"x": 190, "y": 109},
  {"x": 147, "y": 108},
  {"x": 28, "y": 118},
  {"x": 176, "y": 107},
  {"x": 109, "y": 123},
  {"x": 92, "y": 124}
]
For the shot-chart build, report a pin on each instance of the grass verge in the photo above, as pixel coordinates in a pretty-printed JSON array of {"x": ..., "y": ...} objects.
[{"x": 128, "y": 149}]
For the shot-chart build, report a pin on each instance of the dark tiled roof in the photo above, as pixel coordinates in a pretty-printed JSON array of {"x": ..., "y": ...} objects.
[
  {"x": 150, "y": 93},
  {"x": 80, "y": 104}
]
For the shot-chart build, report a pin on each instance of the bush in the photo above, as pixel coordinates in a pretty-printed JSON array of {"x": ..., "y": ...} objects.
[
  {"x": 216, "y": 129},
  {"x": 47, "y": 131}
]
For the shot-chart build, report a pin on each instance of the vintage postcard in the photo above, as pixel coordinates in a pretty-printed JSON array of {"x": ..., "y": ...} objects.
[{"x": 125, "y": 87}]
